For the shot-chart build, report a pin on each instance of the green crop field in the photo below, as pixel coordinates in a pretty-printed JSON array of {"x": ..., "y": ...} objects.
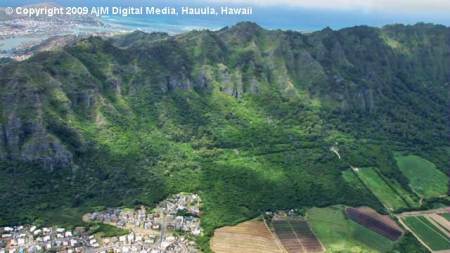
[
  {"x": 424, "y": 177},
  {"x": 339, "y": 234},
  {"x": 381, "y": 189},
  {"x": 428, "y": 233},
  {"x": 410, "y": 198},
  {"x": 350, "y": 177}
]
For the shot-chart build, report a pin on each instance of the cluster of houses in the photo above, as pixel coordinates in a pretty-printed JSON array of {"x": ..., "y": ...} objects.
[
  {"x": 168, "y": 228},
  {"x": 146, "y": 244},
  {"x": 33, "y": 239}
]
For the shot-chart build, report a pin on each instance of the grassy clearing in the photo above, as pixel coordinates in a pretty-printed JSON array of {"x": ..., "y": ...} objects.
[
  {"x": 424, "y": 177},
  {"x": 431, "y": 235},
  {"x": 381, "y": 189},
  {"x": 106, "y": 230},
  {"x": 339, "y": 234}
]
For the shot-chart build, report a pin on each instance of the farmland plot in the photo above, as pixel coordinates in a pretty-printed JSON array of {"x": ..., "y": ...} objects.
[
  {"x": 306, "y": 236},
  {"x": 339, "y": 234},
  {"x": 287, "y": 237},
  {"x": 425, "y": 179},
  {"x": 381, "y": 189},
  {"x": 441, "y": 222},
  {"x": 446, "y": 216},
  {"x": 249, "y": 236},
  {"x": 427, "y": 233},
  {"x": 381, "y": 224},
  {"x": 296, "y": 236}
]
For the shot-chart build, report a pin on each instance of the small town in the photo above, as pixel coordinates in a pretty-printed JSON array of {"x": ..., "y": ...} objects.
[
  {"x": 169, "y": 227},
  {"x": 21, "y": 35}
]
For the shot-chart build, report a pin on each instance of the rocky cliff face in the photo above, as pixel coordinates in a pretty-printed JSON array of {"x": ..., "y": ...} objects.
[
  {"x": 360, "y": 71},
  {"x": 23, "y": 127}
]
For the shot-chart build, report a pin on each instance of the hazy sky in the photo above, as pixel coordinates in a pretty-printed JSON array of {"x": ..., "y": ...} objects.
[
  {"x": 361, "y": 5},
  {"x": 306, "y": 15}
]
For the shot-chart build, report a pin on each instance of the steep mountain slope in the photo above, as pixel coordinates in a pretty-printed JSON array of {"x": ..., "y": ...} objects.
[{"x": 245, "y": 116}]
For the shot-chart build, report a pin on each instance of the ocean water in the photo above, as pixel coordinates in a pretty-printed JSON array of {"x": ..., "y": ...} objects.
[{"x": 7, "y": 44}]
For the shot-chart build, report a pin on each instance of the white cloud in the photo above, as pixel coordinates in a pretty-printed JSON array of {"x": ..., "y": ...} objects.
[{"x": 364, "y": 5}]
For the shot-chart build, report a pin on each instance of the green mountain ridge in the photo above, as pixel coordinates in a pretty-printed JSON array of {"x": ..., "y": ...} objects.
[{"x": 244, "y": 116}]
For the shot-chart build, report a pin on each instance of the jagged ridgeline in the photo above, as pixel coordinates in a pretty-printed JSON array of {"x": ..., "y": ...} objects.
[{"x": 245, "y": 116}]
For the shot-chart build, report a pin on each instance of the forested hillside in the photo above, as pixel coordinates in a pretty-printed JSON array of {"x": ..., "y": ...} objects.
[{"x": 244, "y": 116}]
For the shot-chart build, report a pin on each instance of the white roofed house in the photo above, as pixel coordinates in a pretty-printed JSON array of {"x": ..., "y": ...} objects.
[
  {"x": 37, "y": 232},
  {"x": 131, "y": 237},
  {"x": 196, "y": 231},
  {"x": 46, "y": 238},
  {"x": 73, "y": 242},
  {"x": 21, "y": 241},
  {"x": 92, "y": 241}
]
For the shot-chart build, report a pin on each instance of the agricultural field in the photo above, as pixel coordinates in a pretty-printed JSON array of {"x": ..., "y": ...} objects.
[
  {"x": 381, "y": 224},
  {"x": 446, "y": 216},
  {"x": 442, "y": 223},
  {"x": 428, "y": 232},
  {"x": 296, "y": 236},
  {"x": 353, "y": 181},
  {"x": 390, "y": 193},
  {"x": 249, "y": 236},
  {"x": 425, "y": 179},
  {"x": 339, "y": 234}
]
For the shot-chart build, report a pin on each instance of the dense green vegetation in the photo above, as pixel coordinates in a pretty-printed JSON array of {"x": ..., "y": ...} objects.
[
  {"x": 243, "y": 116},
  {"x": 431, "y": 235},
  {"x": 424, "y": 177},
  {"x": 339, "y": 234}
]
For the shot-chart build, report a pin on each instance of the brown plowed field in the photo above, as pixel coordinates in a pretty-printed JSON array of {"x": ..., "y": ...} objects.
[
  {"x": 247, "y": 237},
  {"x": 308, "y": 240},
  {"x": 296, "y": 236},
  {"x": 382, "y": 224}
]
